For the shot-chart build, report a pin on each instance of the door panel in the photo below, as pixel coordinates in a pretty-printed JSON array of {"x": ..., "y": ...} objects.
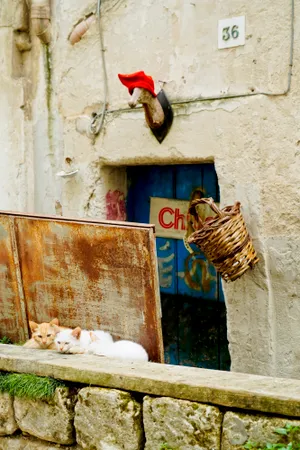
[
  {"x": 198, "y": 334},
  {"x": 194, "y": 313},
  {"x": 157, "y": 182},
  {"x": 196, "y": 277},
  {"x": 170, "y": 326},
  {"x": 167, "y": 265}
]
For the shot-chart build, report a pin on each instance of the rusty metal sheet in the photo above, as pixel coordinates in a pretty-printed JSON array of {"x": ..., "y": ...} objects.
[
  {"x": 88, "y": 273},
  {"x": 12, "y": 309}
]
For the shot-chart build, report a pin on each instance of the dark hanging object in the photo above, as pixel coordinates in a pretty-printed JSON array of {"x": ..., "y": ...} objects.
[{"x": 161, "y": 132}]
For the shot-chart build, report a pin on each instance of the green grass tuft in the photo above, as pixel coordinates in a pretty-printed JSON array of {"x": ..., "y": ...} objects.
[
  {"x": 29, "y": 385},
  {"x": 5, "y": 340}
]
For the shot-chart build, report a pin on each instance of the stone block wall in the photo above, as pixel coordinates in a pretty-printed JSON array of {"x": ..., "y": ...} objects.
[
  {"x": 249, "y": 128},
  {"x": 96, "y": 418}
]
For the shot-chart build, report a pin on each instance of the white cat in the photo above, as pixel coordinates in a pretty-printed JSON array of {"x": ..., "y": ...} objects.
[
  {"x": 78, "y": 340},
  {"x": 119, "y": 349}
]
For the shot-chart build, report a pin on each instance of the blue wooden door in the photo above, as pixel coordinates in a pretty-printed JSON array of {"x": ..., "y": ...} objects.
[{"x": 194, "y": 313}]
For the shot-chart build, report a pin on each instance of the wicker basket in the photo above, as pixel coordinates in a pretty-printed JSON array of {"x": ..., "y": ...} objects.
[{"x": 223, "y": 239}]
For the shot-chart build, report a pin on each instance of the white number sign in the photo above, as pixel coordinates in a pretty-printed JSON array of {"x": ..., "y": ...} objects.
[{"x": 231, "y": 32}]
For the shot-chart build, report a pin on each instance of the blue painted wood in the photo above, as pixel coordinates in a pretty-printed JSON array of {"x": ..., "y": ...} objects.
[
  {"x": 198, "y": 333},
  {"x": 196, "y": 277},
  {"x": 167, "y": 265},
  {"x": 211, "y": 189},
  {"x": 146, "y": 183},
  {"x": 220, "y": 289},
  {"x": 170, "y": 327},
  {"x": 194, "y": 329},
  {"x": 197, "y": 283},
  {"x": 188, "y": 178},
  {"x": 210, "y": 182}
]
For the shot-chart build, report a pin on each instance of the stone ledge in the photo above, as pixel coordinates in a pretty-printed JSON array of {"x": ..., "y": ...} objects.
[{"x": 235, "y": 390}]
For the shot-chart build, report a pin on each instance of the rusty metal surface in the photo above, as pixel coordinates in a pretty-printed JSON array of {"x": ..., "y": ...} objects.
[
  {"x": 83, "y": 272},
  {"x": 11, "y": 317}
]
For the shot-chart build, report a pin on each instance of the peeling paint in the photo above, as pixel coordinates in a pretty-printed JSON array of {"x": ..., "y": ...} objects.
[{"x": 115, "y": 205}]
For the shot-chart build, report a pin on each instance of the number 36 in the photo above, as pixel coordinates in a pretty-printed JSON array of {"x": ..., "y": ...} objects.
[{"x": 230, "y": 32}]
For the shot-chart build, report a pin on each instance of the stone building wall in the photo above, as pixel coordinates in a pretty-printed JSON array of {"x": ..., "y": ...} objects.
[{"x": 237, "y": 107}]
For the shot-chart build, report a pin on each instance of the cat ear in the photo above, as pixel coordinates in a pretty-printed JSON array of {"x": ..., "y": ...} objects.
[
  {"x": 76, "y": 333},
  {"x": 56, "y": 329},
  {"x": 54, "y": 321},
  {"x": 93, "y": 336},
  {"x": 33, "y": 326}
]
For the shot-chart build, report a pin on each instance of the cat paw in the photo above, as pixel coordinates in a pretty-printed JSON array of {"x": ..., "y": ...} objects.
[{"x": 76, "y": 351}]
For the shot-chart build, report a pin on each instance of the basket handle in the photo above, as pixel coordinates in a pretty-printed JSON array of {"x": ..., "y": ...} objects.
[{"x": 207, "y": 201}]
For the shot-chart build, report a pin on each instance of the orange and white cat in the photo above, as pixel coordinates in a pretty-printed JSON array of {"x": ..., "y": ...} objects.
[{"x": 43, "y": 335}]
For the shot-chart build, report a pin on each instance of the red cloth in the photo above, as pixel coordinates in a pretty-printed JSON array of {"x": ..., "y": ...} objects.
[{"x": 137, "y": 80}]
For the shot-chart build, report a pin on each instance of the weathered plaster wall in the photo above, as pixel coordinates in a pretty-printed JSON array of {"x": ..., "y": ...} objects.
[
  {"x": 15, "y": 156},
  {"x": 254, "y": 140}
]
